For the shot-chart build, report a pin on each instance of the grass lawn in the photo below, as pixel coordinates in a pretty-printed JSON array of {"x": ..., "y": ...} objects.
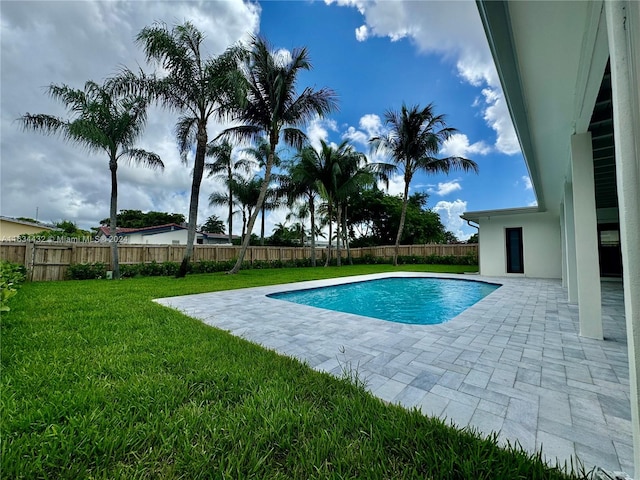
[{"x": 100, "y": 382}]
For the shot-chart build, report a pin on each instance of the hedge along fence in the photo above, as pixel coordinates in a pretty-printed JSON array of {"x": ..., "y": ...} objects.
[{"x": 47, "y": 261}]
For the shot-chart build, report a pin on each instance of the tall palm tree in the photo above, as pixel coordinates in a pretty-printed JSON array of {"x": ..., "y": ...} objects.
[
  {"x": 247, "y": 191},
  {"x": 102, "y": 120},
  {"x": 352, "y": 175},
  {"x": 300, "y": 212},
  {"x": 303, "y": 183},
  {"x": 260, "y": 154},
  {"x": 273, "y": 108},
  {"x": 198, "y": 87},
  {"x": 224, "y": 167},
  {"x": 328, "y": 165},
  {"x": 414, "y": 139}
]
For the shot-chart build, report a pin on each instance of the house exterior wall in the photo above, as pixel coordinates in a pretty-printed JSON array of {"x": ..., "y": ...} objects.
[
  {"x": 164, "y": 238},
  {"x": 10, "y": 230},
  {"x": 541, "y": 245}
]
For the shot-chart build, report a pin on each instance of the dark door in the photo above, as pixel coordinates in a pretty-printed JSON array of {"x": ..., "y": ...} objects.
[
  {"x": 515, "y": 256},
  {"x": 609, "y": 250}
]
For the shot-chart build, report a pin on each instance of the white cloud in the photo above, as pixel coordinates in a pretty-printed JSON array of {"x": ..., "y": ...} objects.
[
  {"x": 362, "y": 33},
  {"x": 450, "y": 216},
  {"x": 395, "y": 187},
  {"x": 527, "y": 182},
  {"x": 318, "y": 129},
  {"x": 457, "y": 145},
  {"x": 370, "y": 125},
  {"x": 434, "y": 27},
  {"x": 445, "y": 188},
  {"x": 496, "y": 114},
  {"x": 71, "y": 42}
]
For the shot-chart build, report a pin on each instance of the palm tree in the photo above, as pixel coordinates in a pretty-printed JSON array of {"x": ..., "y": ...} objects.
[
  {"x": 352, "y": 175},
  {"x": 300, "y": 212},
  {"x": 415, "y": 137},
  {"x": 328, "y": 166},
  {"x": 303, "y": 183},
  {"x": 199, "y": 88},
  {"x": 260, "y": 154},
  {"x": 224, "y": 167},
  {"x": 247, "y": 191},
  {"x": 272, "y": 107},
  {"x": 103, "y": 121}
]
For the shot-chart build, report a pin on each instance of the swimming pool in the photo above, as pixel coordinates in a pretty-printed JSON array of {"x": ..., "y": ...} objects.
[{"x": 415, "y": 300}]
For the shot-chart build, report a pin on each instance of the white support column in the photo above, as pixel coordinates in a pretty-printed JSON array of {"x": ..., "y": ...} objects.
[
  {"x": 563, "y": 246},
  {"x": 586, "y": 236},
  {"x": 623, "y": 29},
  {"x": 570, "y": 245}
]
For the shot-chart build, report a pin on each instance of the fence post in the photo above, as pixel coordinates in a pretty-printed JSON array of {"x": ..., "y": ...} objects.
[{"x": 29, "y": 253}]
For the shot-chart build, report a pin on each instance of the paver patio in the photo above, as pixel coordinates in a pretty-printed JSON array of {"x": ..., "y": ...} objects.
[{"x": 512, "y": 363}]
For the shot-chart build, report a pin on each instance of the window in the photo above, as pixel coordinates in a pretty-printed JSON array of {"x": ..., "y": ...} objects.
[{"x": 515, "y": 257}]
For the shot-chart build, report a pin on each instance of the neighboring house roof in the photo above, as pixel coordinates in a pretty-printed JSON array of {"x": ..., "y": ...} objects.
[
  {"x": 158, "y": 229},
  {"x": 44, "y": 226},
  {"x": 168, "y": 227}
]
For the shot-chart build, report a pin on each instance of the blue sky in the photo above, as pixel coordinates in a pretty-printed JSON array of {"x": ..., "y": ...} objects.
[{"x": 374, "y": 54}]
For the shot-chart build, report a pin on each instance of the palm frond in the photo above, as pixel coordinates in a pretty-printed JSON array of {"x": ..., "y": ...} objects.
[
  {"x": 145, "y": 158},
  {"x": 186, "y": 129}
]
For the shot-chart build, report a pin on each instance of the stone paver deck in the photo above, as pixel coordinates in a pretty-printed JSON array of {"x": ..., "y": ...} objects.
[{"x": 512, "y": 363}]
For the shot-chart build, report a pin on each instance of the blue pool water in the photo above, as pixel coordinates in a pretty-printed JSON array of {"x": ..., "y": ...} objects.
[{"x": 424, "y": 301}]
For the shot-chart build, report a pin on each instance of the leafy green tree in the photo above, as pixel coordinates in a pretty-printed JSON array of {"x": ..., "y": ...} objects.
[
  {"x": 140, "y": 219},
  {"x": 213, "y": 225},
  {"x": 284, "y": 236},
  {"x": 225, "y": 167},
  {"x": 375, "y": 217},
  {"x": 198, "y": 87},
  {"x": 102, "y": 120},
  {"x": 415, "y": 136},
  {"x": 273, "y": 107},
  {"x": 473, "y": 238},
  {"x": 450, "y": 238}
]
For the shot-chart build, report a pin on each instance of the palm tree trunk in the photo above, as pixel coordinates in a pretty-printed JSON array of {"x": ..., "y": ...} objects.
[
  {"x": 405, "y": 201},
  {"x": 312, "y": 212},
  {"x": 113, "y": 216},
  {"x": 338, "y": 220},
  {"x": 346, "y": 236},
  {"x": 198, "y": 170},
  {"x": 262, "y": 225},
  {"x": 230, "y": 219},
  {"x": 254, "y": 214},
  {"x": 328, "y": 260},
  {"x": 244, "y": 223}
]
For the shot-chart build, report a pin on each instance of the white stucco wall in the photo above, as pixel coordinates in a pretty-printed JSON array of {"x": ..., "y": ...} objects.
[
  {"x": 165, "y": 238},
  {"x": 540, "y": 242}
]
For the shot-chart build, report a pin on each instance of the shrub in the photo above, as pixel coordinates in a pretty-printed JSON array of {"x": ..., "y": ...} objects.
[
  {"x": 11, "y": 276},
  {"x": 86, "y": 271},
  {"x": 154, "y": 269}
]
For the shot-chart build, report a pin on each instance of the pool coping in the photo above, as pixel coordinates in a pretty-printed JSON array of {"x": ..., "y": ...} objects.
[{"x": 513, "y": 362}]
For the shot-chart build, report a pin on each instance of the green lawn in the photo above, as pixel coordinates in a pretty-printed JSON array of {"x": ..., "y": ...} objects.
[{"x": 100, "y": 382}]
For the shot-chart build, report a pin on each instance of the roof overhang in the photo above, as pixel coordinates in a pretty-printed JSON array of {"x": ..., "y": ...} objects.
[
  {"x": 550, "y": 58},
  {"x": 476, "y": 216}
]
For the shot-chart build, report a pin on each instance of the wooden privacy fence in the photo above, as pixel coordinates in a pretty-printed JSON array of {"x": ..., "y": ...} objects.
[{"x": 46, "y": 261}]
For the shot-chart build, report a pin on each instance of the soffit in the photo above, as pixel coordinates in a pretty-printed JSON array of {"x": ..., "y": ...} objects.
[{"x": 549, "y": 43}]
